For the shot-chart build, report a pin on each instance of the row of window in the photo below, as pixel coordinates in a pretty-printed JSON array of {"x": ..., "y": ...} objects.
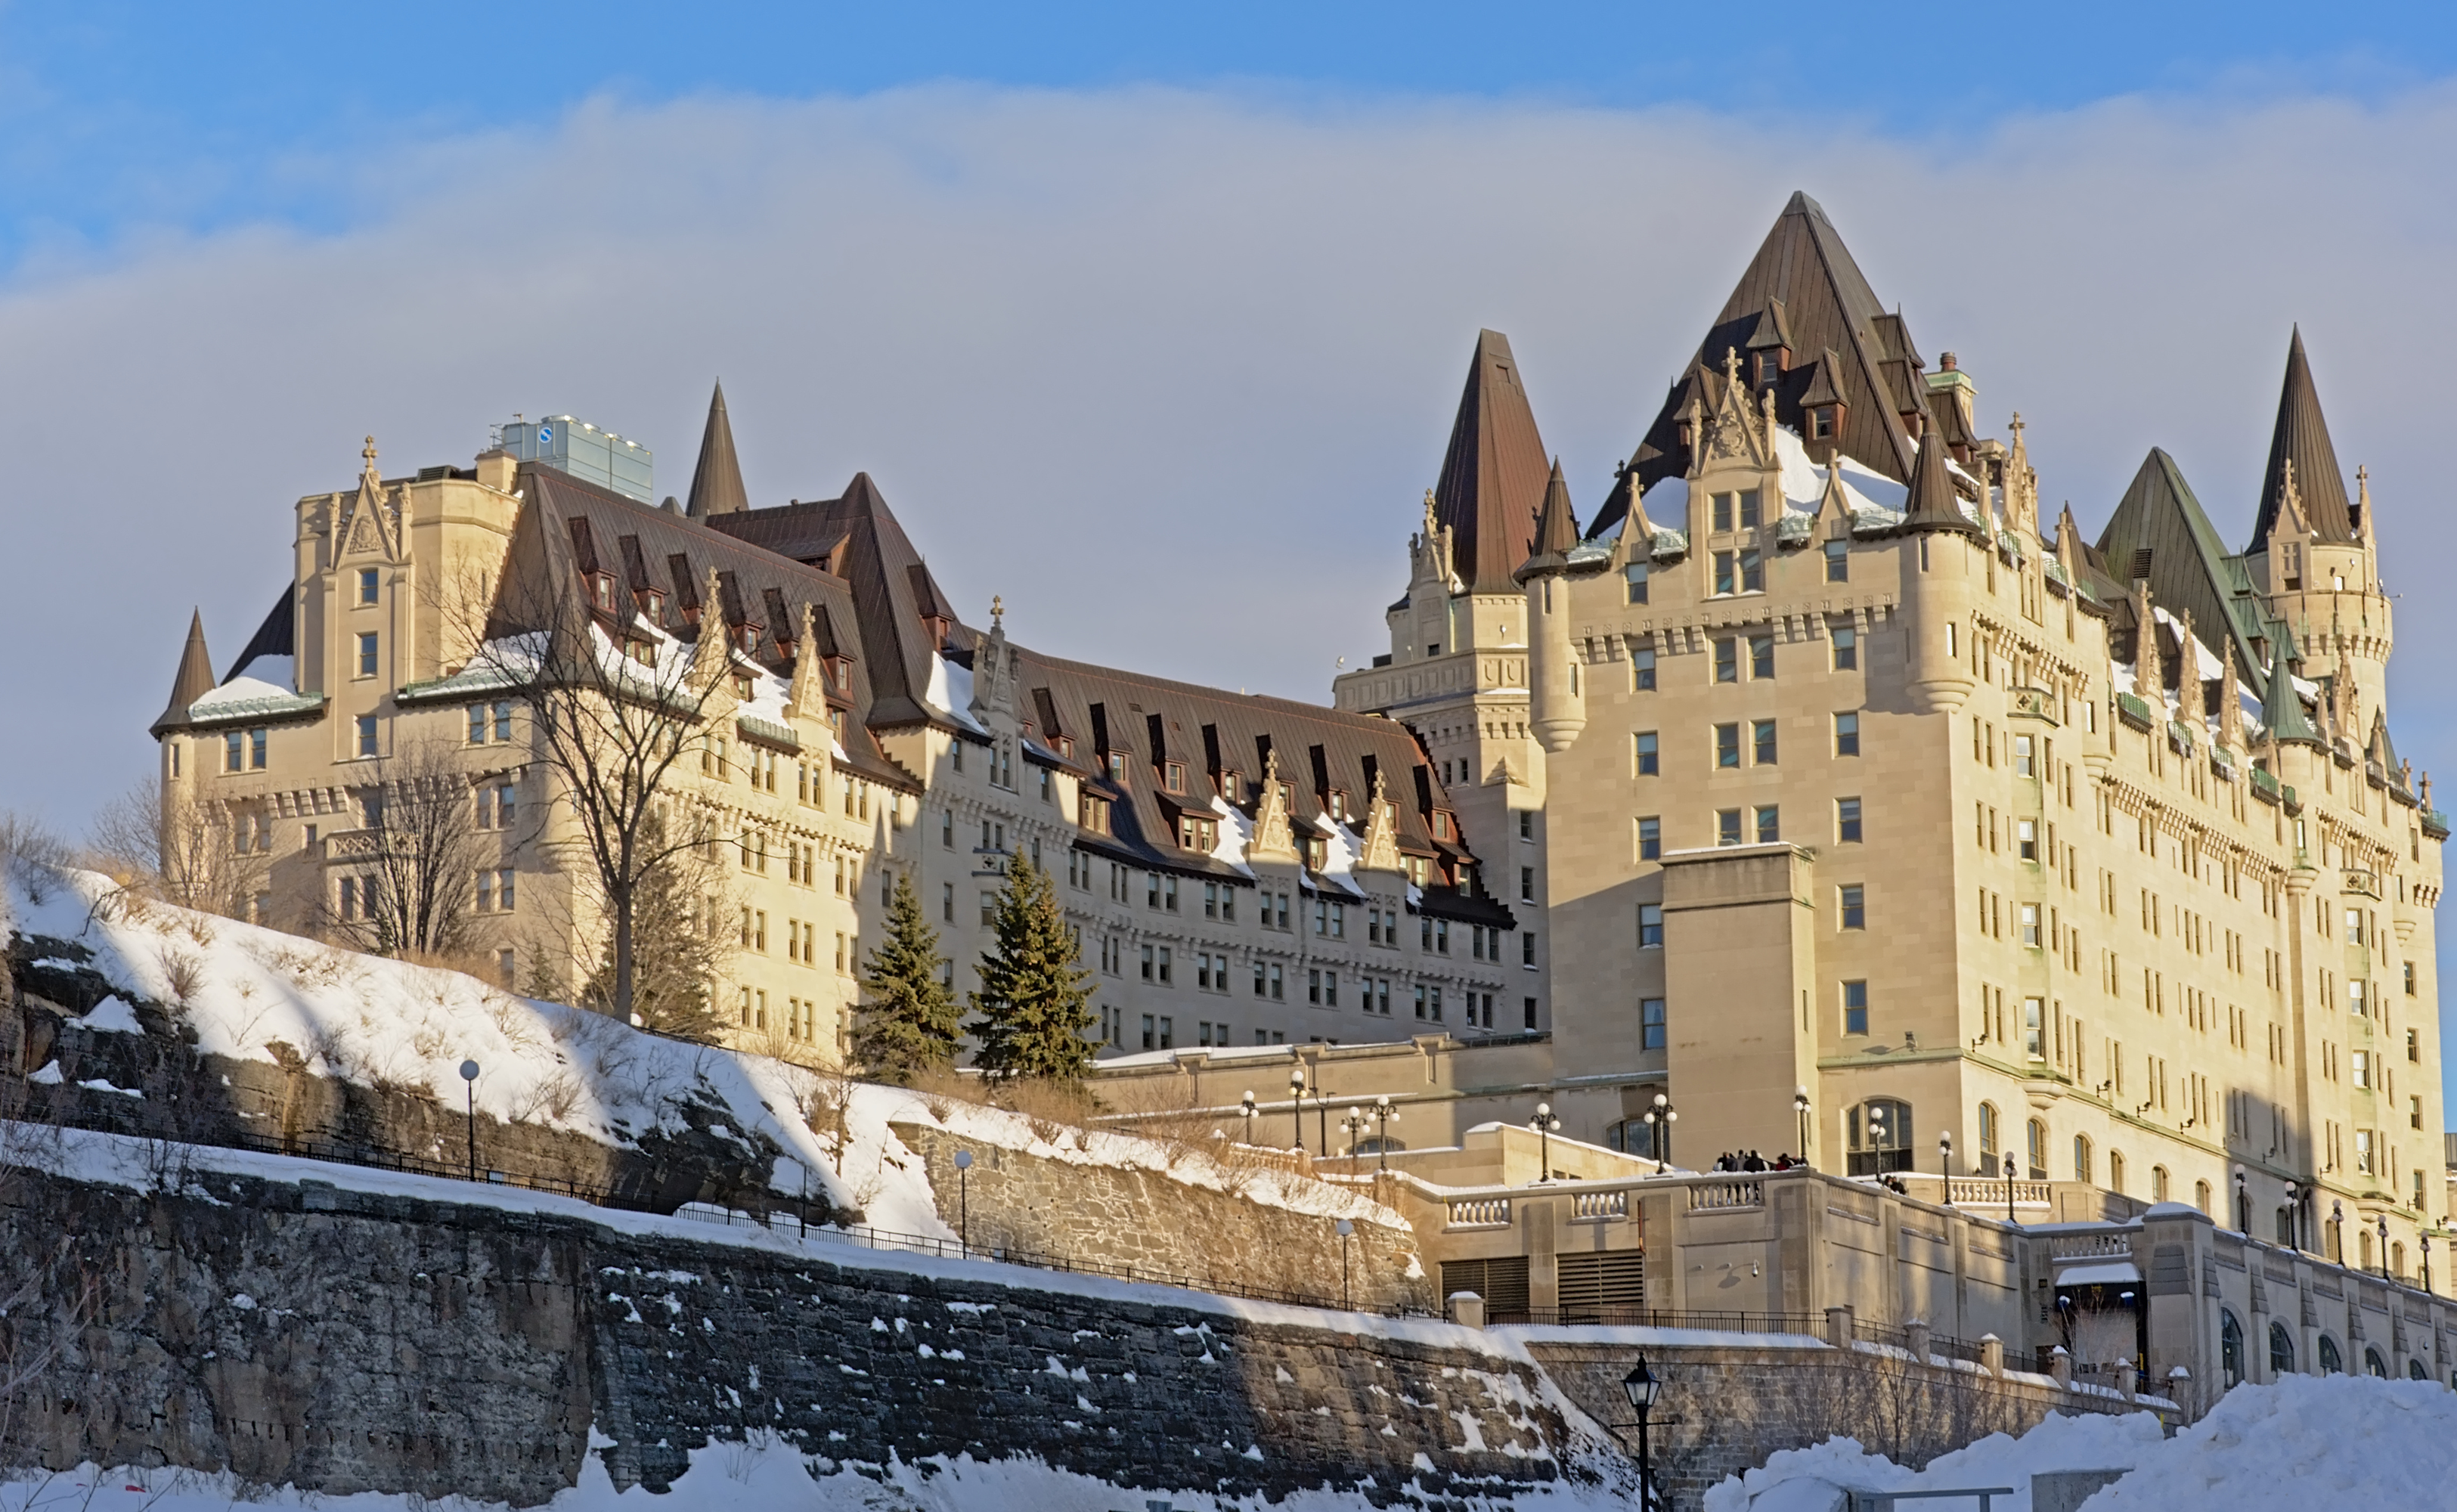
[
  {"x": 362, "y": 898},
  {"x": 1743, "y": 570},
  {"x": 1759, "y": 739}
]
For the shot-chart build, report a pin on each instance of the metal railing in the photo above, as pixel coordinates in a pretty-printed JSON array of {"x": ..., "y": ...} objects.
[{"x": 1811, "y": 1324}]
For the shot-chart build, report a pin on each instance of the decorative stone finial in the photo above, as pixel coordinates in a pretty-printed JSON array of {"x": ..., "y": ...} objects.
[
  {"x": 998, "y": 610},
  {"x": 369, "y": 452}
]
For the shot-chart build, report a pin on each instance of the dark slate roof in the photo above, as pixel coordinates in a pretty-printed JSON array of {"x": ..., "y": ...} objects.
[
  {"x": 277, "y": 636},
  {"x": 717, "y": 481},
  {"x": 1826, "y": 304},
  {"x": 2160, "y": 525},
  {"x": 2301, "y": 436},
  {"x": 1218, "y": 735},
  {"x": 858, "y": 538},
  {"x": 655, "y": 549},
  {"x": 194, "y": 679},
  {"x": 1493, "y": 475}
]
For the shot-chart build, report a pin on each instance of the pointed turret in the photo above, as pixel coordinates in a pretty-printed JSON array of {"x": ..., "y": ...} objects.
[
  {"x": 2301, "y": 439},
  {"x": 1557, "y": 529},
  {"x": 717, "y": 481},
  {"x": 2281, "y": 711},
  {"x": 1932, "y": 504},
  {"x": 193, "y": 680},
  {"x": 1491, "y": 484}
]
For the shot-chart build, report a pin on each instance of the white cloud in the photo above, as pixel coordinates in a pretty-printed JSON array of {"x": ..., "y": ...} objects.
[{"x": 1168, "y": 370}]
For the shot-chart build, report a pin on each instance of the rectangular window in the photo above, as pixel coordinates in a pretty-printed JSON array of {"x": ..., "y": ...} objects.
[
  {"x": 1151, "y": 1041},
  {"x": 502, "y": 716},
  {"x": 1650, "y": 1023},
  {"x": 235, "y": 751},
  {"x": 1650, "y": 840},
  {"x": 1770, "y": 824},
  {"x": 366, "y": 735},
  {"x": 1753, "y": 573},
  {"x": 1636, "y": 573},
  {"x": 1727, "y": 745},
  {"x": 1727, "y": 826},
  {"x": 1853, "y": 901},
  {"x": 2034, "y": 1028},
  {"x": 2031, "y": 925},
  {"x": 1847, "y": 649},
  {"x": 367, "y": 653},
  {"x": 2360, "y": 1063},
  {"x": 2356, "y": 1003},
  {"x": 1527, "y": 884},
  {"x": 1762, "y": 657},
  {"x": 1650, "y": 927},
  {"x": 256, "y": 741},
  {"x": 1150, "y": 961},
  {"x": 1276, "y": 984},
  {"x": 1749, "y": 509},
  {"x": 947, "y": 901},
  {"x": 1420, "y": 1000},
  {"x": 1855, "y": 1008},
  {"x": 1846, "y": 819},
  {"x": 368, "y": 584},
  {"x": 1725, "y": 580},
  {"x": 2024, "y": 764},
  {"x": 1846, "y": 735},
  {"x": 1727, "y": 660},
  {"x": 1643, "y": 746},
  {"x": 1762, "y": 741},
  {"x": 2026, "y": 837},
  {"x": 1838, "y": 561},
  {"x": 1721, "y": 511},
  {"x": 1641, "y": 669}
]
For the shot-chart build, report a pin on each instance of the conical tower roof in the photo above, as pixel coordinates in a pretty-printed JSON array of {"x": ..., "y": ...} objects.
[
  {"x": 1932, "y": 504},
  {"x": 2282, "y": 709},
  {"x": 717, "y": 481},
  {"x": 193, "y": 680},
  {"x": 2301, "y": 437},
  {"x": 1557, "y": 527},
  {"x": 1492, "y": 485}
]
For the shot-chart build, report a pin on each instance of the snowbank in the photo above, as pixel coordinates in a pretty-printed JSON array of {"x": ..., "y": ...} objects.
[{"x": 2304, "y": 1442}]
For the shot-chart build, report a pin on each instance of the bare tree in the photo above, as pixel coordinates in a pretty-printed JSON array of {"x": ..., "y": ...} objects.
[
  {"x": 615, "y": 701},
  {"x": 209, "y": 857},
  {"x": 419, "y": 854}
]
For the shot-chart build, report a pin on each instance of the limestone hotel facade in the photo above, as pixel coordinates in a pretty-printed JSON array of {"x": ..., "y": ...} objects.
[{"x": 1814, "y": 780}]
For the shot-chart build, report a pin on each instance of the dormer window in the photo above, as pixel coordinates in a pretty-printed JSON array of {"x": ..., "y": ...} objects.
[
  {"x": 601, "y": 590},
  {"x": 1173, "y": 776},
  {"x": 840, "y": 673},
  {"x": 1445, "y": 826},
  {"x": 1336, "y": 805},
  {"x": 1064, "y": 746},
  {"x": 643, "y": 651},
  {"x": 652, "y": 603},
  {"x": 746, "y": 639},
  {"x": 1822, "y": 422},
  {"x": 742, "y": 687},
  {"x": 1769, "y": 365},
  {"x": 1116, "y": 764}
]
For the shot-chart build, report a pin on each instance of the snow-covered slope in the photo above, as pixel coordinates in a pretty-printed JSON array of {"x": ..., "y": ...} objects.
[{"x": 250, "y": 993}]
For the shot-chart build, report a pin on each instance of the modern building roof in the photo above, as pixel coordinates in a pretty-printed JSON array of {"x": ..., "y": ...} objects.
[
  {"x": 717, "y": 480},
  {"x": 1492, "y": 483},
  {"x": 2301, "y": 438},
  {"x": 1803, "y": 290}
]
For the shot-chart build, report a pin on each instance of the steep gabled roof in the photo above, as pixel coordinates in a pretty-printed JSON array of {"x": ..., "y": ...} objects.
[
  {"x": 717, "y": 481},
  {"x": 2281, "y": 709},
  {"x": 893, "y": 590},
  {"x": 2301, "y": 437},
  {"x": 1493, "y": 475},
  {"x": 194, "y": 679},
  {"x": 277, "y": 636},
  {"x": 1803, "y": 280},
  {"x": 2189, "y": 567}
]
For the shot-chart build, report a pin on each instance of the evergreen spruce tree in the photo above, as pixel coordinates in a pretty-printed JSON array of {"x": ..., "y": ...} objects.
[
  {"x": 675, "y": 955},
  {"x": 1035, "y": 1009},
  {"x": 910, "y": 1023}
]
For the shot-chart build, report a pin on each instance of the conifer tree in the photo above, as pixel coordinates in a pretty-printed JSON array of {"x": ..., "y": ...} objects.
[
  {"x": 1035, "y": 1009},
  {"x": 911, "y": 1021},
  {"x": 677, "y": 952}
]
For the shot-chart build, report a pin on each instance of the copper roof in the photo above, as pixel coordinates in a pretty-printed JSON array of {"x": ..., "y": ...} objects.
[
  {"x": 2301, "y": 437},
  {"x": 1493, "y": 475},
  {"x": 2159, "y": 525},
  {"x": 194, "y": 679},
  {"x": 717, "y": 480}
]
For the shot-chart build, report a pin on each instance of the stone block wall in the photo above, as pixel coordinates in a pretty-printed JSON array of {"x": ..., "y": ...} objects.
[{"x": 1149, "y": 1222}]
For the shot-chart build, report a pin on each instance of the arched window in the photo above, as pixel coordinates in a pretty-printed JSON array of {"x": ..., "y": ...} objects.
[
  {"x": 2331, "y": 1362},
  {"x": 1988, "y": 1165},
  {"x": 1372, "y": 1145},
  {"x": 1631, "y": 1136},
  {"x": 2364, "y": 1246},
  {"x": 2082, "y": 1157},
  {"x": 2116, "y": 1171},
  {"x": 2158, "y": 1184},
  {"x": 2373, "y": 1364},
  {"x": 2397, "y": 1259},
  {"x": 1880, "y": 1131},
  {"x": 2231, "y": 1347},
  {"x": 2201, "y": 1195},
  {"x": 2039, "y": 1151},
  {"x": 2414, "y": 1371},
  {"x": 2281, "y": 1349}
]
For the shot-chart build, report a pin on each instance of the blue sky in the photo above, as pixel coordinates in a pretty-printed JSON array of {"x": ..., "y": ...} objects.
[{"x": 1181, "y": 294}]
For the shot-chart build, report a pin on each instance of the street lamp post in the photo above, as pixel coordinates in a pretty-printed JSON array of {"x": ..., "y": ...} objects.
[
  {"x": 2338, "y": 1229},
  {"x": 1945, "y": 1161},
  {"x": 1346, "y": 1229},
  {"x": 1544, "y": 1123},
  {"x": 2009, "y": 1189},
  {"x": 469, "y": 1085},
  {"x": 2384, "y": 1246},
  {"x": 1247, "y": 1110},
  {"x": 2426, "y": 1240},
  {"x": 2243, "y": 1205},
  {"x": 1641, "y": 1387},
  {"x": 1322, "y": 1118},
  {"x": 1800, "y": 1105},
  {"x": 1296, "y": 1105},
  {"x": 1354, "y": 1123},
  {"x": 965, "y": 1198},
  {"x": 2294, "y": 1210},
  {"x": 1658, "y": 1120},
  {"x": 1877, "y": 1145},
  {"x": 1384, "y": 1116}
]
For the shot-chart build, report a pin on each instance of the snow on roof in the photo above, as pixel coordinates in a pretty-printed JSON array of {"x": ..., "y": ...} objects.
[
  {"x": 1236, "y": 833},
  {"x": 237, "y": 696},
  {"x": 951, "y": 693}
]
